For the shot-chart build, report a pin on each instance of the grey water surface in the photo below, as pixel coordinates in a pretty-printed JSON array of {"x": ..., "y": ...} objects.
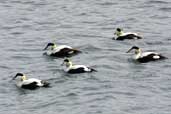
[{"x": 120, "y": 86}]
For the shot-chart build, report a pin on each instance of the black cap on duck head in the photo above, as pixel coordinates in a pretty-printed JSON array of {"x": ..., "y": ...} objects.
[
  {"x": 49, "y": 44},
  {"x": 119, "y": 29},
  {"x": 66, "y": 60},
  {"x": 133, "y": 47},
  {"x": 18, "y": 74}
]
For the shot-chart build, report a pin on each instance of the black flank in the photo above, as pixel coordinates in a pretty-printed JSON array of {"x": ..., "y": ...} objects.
[
  {"x": 66, "y": 52},
  {"x": 129, "y": 36},
  {"x": 78, "y": 70},
  {"x": 150, "y": 58},
  {"x": 30, "y": 86}
]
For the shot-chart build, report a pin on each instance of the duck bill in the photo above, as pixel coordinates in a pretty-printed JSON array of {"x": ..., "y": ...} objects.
[
  {"x": 45, "y": 48},
  {"x": 129, "y": 50},
  {"x": 14, "y": 77},
  {"x": 62, "y": 64}
]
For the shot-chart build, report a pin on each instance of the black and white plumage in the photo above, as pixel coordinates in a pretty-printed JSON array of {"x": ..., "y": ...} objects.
[
  {"x": 60, "y": 51},
  {"x": 144, "y": 57},
  {"x": 70, "y": 68},
  {"x": 120, "y": 35},
  {"x": 31, "y": 83}
]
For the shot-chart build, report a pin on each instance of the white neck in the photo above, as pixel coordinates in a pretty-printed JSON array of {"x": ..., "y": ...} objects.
[
  {"x": 69, "y": 64},
  {"x": 53, "y": 47},
  {"x": 138, "y": 53}
]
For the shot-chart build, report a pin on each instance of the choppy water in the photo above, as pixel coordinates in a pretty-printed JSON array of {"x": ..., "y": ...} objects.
[{"x": 119, "y": 87}]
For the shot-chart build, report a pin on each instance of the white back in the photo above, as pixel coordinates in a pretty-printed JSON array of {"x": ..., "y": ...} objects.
[
  {"x": 58, "y": 48},
  {"x": 126, "y": 33}
]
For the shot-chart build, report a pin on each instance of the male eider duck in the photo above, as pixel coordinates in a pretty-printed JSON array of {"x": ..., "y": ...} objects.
[
  {"x": 60, "y": 51},
  {"x": 31, "y": 83},
  {"x": 70, "y": 68},
  {"x": 127, "y": 35},
  {"x": 144, "y": 57}
]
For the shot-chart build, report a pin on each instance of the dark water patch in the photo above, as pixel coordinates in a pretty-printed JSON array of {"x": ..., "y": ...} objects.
[
  {"x": 89, "y": 48},
  {"x": 4, "y": 67},
  {"x": 166, "y": 9},
  {"x": 107, "y": 4},
  {"x": 163, "y": 17},
  {"x": 157, "y": 2},
  {"x": 125, "y": 93},
  {"x": 89, "y": 22},
  {"x": 88, "y": 35},
  {"x": 23, "y": 2},
  {"x": 82, "y": 14},
  {"x": 71, "y": 95},
  {"x": 67, "y": 26},
  {"x": 9, "y": 27},
  {"x": 24, "y": 56},
  {"x": 155, "y": 43},
  {"x": 17, "y": 33},
  {"x": 45, "y": 23}
]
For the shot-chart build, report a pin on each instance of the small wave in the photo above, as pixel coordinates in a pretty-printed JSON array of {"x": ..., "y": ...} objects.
[
  {"x": 157, "y": 2},
  {"x": 22, "y": 2},
  {"x": 155, "y": 43},
  {"x": 167, "y": 9},
  {"x": 17, "y": 33},
  {"x": 71, "y": 95},
  {"x": 4, "y": 67},
  {"x": 91, "y": 48},
  {"x": 7, "y": 27},
  {"x": 107, "y": 3}
]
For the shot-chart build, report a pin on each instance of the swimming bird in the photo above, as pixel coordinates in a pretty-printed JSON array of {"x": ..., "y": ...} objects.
[
  {"x": 60, "y": 51},
  {"x": 144, "y": 57},
  {"x": 127, "y": 35},
  {"x": 31, "y": 83},
  {"x": 70, "y": 68}
]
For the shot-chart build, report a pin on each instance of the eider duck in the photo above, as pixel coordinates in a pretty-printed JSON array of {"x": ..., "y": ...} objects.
[
  {"x": 144, "y": 57},
  {"x": 60, "y": 51},
  {"x": 127, "y": 35},
  {"x": 70, "y": 68},
  {"x": 31, "y": 83}
]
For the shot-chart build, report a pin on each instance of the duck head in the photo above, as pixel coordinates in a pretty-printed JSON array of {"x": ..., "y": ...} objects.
[
  {"x": 67, "y": 63},
  {"x": 137, "y": 49},
  {"x": 23, "y": 77},
  {"x": 50, "y": 45},
  {"x": 118, "y": 32}
]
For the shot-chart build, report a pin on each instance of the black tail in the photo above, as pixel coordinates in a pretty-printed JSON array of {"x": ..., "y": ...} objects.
[
  {"x": 93, "y": 70},
  {"x": 163, "y": 57},
  {"x": 139, "y": 37},
  {"x": 76, "y": 51},
  {"x": 46, "y": 84}
]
